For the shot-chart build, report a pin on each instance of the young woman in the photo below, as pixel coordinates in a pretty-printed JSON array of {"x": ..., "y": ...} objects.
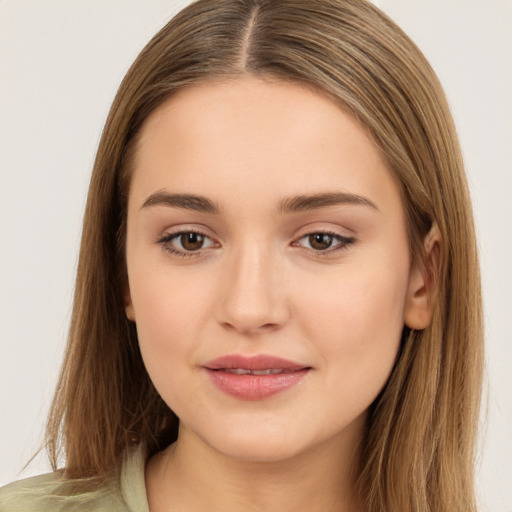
[{"x": 277, "y": 300}]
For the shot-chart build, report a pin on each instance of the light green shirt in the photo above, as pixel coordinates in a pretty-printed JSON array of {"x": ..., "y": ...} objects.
[{"x": 126, "y": 492}]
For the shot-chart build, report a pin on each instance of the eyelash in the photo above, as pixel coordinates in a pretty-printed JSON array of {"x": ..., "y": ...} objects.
[
  {"x": 343, "y": 243},
  {"x": 165, "y": 242}
]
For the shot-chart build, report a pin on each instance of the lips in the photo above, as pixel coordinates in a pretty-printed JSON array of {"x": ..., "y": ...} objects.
[
  {"x": 269, "y": 371},
  {"x": 256, "y": 377}
]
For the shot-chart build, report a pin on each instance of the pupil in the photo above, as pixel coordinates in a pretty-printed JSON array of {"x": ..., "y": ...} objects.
[
  {"x": 192, "y": 241},
  {"x": 320, "y": 241}
]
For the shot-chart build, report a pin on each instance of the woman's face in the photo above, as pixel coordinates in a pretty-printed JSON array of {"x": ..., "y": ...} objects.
[{"x": 268, "y": 266}]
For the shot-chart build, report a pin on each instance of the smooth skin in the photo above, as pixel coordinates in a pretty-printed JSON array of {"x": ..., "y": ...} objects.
[{"x": 246, "y": 270}]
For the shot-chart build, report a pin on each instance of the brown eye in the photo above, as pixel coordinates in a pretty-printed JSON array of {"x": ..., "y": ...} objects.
[
  {"x": 186, "y": 243},
  {"x": 320, "y": 241},
  {"x": 192, "y": 241},
  {"x": 324, "y": 243}
]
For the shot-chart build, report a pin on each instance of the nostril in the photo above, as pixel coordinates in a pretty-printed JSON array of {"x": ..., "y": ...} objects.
[{"x": 250, "y": 328}]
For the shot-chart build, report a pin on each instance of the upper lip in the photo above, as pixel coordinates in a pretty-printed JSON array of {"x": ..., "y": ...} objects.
[{"x": 258, "y": 362}]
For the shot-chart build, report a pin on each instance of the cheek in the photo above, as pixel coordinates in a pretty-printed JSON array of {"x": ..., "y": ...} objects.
[
  {"x": 168, "y": 308},
  {"x": 356, "y": 324}
]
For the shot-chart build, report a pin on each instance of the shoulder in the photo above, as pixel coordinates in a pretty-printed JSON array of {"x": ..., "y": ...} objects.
[
  {"x": 51, "y": 493},
  {"x": 124, "y": 492}
]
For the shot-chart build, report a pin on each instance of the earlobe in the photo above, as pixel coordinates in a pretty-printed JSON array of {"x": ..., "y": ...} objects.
[
  {"x": 128, "y": 304},
  {"x": 419, "y": 306}
]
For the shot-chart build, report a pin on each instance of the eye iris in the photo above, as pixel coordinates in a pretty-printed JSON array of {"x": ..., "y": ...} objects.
[
  {"x": 192, "y": 241},
  {"x": 320, "y": 241}
]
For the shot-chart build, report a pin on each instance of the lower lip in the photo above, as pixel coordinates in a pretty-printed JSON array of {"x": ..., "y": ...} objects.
[{"x": 255, "y": 387}]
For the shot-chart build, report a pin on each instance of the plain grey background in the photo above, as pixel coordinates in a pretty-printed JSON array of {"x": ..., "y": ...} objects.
[{"x": 61, "y": 63}]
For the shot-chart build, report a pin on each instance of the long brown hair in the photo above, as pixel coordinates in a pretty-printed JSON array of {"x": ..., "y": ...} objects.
[{"x": 418, "y": 450}]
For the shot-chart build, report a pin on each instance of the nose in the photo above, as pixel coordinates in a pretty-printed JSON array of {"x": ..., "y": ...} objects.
[{"x": 253, "y": 299}]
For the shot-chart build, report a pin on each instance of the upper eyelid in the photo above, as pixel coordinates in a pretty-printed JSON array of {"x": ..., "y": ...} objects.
[
  {"x": 178, "y": 230},
  {"x": 331, "y": 228},
  {"x": 327, "y": 227}
]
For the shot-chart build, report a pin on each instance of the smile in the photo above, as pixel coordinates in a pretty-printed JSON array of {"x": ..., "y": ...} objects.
[
  {"x": 255, "y": 377},
  {"x": 269, "y": 371}
]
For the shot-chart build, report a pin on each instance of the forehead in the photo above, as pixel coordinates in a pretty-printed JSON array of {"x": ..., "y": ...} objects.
[{"x": 256, "y": 138}]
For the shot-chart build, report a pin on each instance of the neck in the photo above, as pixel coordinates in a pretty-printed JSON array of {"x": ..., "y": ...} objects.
[{"x": 192, "y": 476}]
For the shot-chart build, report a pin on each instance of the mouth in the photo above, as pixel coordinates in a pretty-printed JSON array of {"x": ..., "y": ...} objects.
[
  {"x": 256, "y": 377},
  {"x": 243, "y": 371}
]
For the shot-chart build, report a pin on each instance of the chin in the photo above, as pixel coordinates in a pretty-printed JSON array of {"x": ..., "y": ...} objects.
[
  {"x": 264, "y": 442},
  {"x": 262, "y": 450}
]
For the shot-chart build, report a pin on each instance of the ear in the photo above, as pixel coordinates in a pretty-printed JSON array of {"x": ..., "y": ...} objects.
[
  {"x": 128, "y": 304},
  {"x": 419, "y": 306}
]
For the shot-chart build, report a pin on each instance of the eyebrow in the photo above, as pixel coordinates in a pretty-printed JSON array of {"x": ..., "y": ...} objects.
[
  {"x": 184, "y": 201},
  {"x": 294, "y": 204},
  {"x": 309, "y": 202}
]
